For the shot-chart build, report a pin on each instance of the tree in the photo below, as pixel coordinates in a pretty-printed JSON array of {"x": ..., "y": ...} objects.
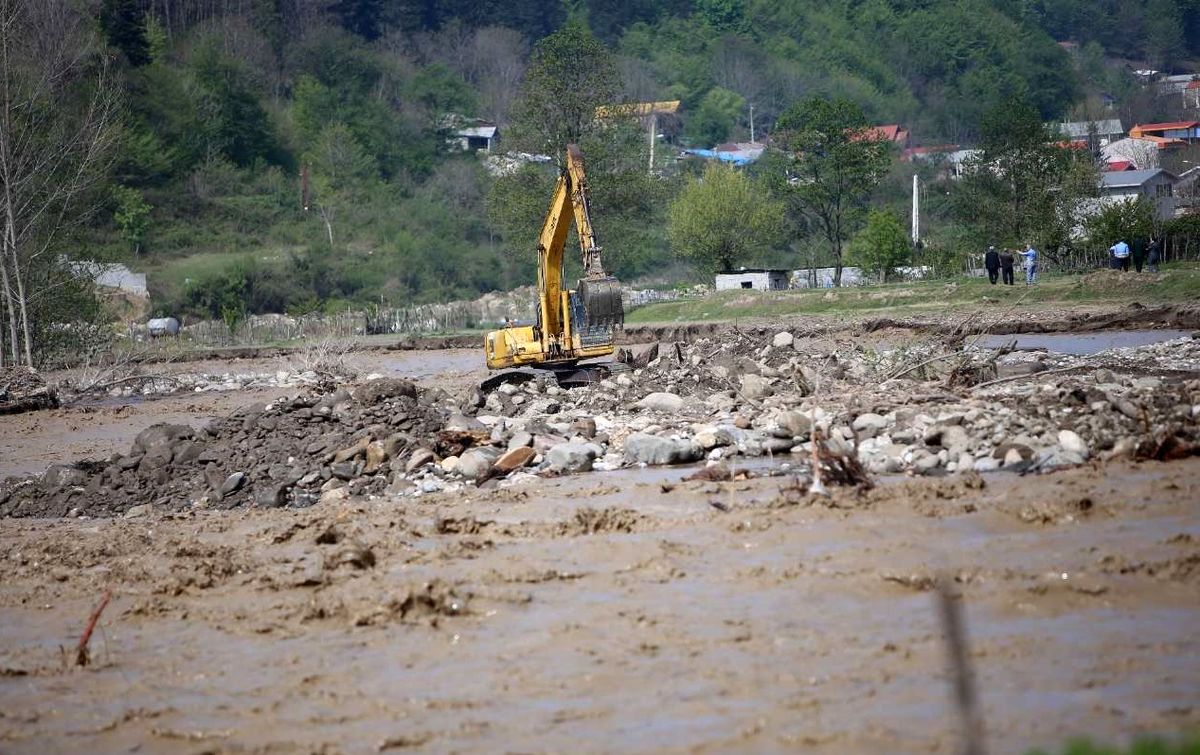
[
  {"x": 570, "y": 74},
  {"x": 125, "y": 25},
  {"x": 722, "y": 219},
  {"x": 837, "y": 162},
  {"x": 882, "y": 246},
  {"x": 58, "y": 112},
  {"x": 132, "y": 216},
  {"x": 1024, "y": 185},
  {"x": 715, "y": 118}
]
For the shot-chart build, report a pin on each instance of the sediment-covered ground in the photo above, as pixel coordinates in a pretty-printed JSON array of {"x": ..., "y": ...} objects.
[{"x": 640, "y": 564}]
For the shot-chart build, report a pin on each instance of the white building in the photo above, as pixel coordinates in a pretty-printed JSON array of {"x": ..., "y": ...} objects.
[
  {"x": 480, "y": 137},
  {"x": 1156, "y": 185},
  {"x": 1106, "y": 131},
  {"x": 759, "y": 279},
  {"x": 822, "y": 277}
]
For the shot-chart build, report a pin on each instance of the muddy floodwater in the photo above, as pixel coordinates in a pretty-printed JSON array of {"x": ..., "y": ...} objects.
[
  {"x": 580, "y": 615},
  {"x": 1082, "y": 343}
]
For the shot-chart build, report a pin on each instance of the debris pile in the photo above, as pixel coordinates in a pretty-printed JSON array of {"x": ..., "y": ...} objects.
[
  {"x": 916, "y": 409},
  {"x": 23, "y": 390}
]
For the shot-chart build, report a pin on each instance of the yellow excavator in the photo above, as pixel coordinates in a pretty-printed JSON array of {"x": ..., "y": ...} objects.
[{"x": 571, "y": 325}]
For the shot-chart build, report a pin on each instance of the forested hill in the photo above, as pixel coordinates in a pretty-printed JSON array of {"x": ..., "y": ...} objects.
[{"x": 226, "y": 100}]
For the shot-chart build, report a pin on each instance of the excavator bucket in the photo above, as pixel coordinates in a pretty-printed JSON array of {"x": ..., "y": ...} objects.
[{"x": 602, "y": 305}]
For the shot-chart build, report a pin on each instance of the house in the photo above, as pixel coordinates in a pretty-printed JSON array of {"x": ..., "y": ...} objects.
[
  {"x": 481, "y": 136},
  {"x": 890, "y": 133},
  {"x": 1188, "y": 131},
  {"x": 1143, "y": 151},
  {"x": 1119, "y": 165},
  {"x": 759, "y": 279},
  {"x": 1157, "y": 185},
  {"x": 1191, "y": 95},
  {"x": 1104, "y": 131}
]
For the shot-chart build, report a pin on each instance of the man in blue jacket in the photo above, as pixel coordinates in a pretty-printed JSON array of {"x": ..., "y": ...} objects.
[
  {"x": 1120, "y": 255},
  {"x": 1030, "y": 255}
]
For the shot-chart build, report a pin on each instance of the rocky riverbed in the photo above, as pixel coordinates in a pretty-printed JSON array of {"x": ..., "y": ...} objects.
[{"x": 918, "y": 408}]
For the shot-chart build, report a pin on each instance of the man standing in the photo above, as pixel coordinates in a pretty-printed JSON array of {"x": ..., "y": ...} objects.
[
  {"x": 1006, "y": 266},
  {"x": 1154, "y": 254},
  {"x": 1120, "y": 256},
  {"x": 1030, "y": 255},
  {"x": 991, "y": 261}
]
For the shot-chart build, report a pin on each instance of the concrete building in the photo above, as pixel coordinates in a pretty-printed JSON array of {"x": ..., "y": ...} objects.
[
  {"x": 759, "y": 279},
  {"x": 1157, "y": 185},
  {"x": 1105, "y": 131},
  {"x": 822, "y": 277},
  {"x": 479, "y": 137}
]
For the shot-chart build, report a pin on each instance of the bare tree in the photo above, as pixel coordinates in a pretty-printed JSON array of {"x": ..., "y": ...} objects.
[{"x": 57, "y": 129}]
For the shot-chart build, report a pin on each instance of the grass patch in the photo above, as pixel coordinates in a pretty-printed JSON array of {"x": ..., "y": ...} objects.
[
  {"x": 1175, "y": 284},
  {"x": 1144, "y": 746}
]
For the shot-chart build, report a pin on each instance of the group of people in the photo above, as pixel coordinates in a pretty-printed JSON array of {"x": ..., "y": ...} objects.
[
  {"x": 1120, "y": 256},
  {"x": 1000, "y": 264}
]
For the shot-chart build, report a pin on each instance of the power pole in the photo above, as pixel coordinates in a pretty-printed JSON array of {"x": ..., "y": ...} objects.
[
  {"x": 916, "y": 212},
  {"x": 653, "y": 136},
  {"x": 752, "y": 124}
]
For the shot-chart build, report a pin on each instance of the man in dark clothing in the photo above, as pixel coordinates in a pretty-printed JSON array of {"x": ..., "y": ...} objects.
[
  {"x": 1154, "y": 254},
  {"x": 991, "y": 261},
  {"x": 1138, "y": 253},
  {"x": 1006, "y": 266}
]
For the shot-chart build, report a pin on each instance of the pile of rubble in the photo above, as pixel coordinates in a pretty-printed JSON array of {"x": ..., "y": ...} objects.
[
  {"x": 24, "y": 390},
  {"x": 920, "y": 409}
]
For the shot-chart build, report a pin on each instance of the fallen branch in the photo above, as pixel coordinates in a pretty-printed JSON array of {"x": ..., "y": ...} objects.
[
  {"x": 81, "y": 652},
  {"x": 1012, "y": 378}
]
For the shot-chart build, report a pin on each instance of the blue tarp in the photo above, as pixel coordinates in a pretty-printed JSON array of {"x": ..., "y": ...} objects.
[{"x": 737, "y": 158}]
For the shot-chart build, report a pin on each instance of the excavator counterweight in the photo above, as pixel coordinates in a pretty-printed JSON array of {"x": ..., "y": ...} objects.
[{"x": 571, "y": 324}]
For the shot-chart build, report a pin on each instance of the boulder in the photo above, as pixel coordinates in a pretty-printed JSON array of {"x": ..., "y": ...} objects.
[
  {"x": 794, "y": 424},
  {"x": 376, "y": 455},
  {"x": 381, "y": 389},
  {"x": 667, "y": 403},
  {"x": 63, "y": 476},
  {"x": 521, "y": 438},
  {"x": 571, "y": 457},
  {"x": 585, "y": 426},
  {"x": 782, "y": 340},
  {"x": 476, "y": 461},
  {"x": 1072, "y": 444},
  {"x": 465, "y": 423},
  {"x": 419, "y": 458},
  {"x": 755, "y": 387},
  {"x": 159, "y": 440},
  {"x": 641, "y": 448},
  {"x": 869, "y": 425},
  {"x": 514, "y": 458}
]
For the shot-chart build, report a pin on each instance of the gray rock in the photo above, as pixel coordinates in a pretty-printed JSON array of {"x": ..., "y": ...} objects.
[
  {"x": 519, "y": 439},
  {"x": 463, "y": 422},
  {"x": 755, "y": 387},
  {"x": 346, "y": 470},
  {"x": 1073, "y": 444},
  {"x": 1104, "y": 376},
  {"x": 232, "y": 484},
  {"x": 868, "y": 425},
  {"x": 142, "y": 509},
  {"x": 381, "y": 389},
  {"x": 795, "y": 424},
  {"x": 571, "y": 457},
  {"x": 585, "y": 426},
  {"x": 419, "y": 458},
  {"x": 475, "y": 461},
  {"x": 160, "y": 436},
  {"x": 641, "y": 448},
  {"x": 666, "y": 403},
  {"x": 270, "y": 496},
  {"x": 63, "y": 476},
  {"x": 782, "y": 339}
]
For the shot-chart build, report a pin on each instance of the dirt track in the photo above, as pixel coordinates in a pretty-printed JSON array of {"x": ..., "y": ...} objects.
[{"x": 606, "y": 614}]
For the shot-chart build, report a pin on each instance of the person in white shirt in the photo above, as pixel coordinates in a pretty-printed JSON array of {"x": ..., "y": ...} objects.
[
  {"x": 1120, "y": 256},
  {"x": 1030, "y": 254}
]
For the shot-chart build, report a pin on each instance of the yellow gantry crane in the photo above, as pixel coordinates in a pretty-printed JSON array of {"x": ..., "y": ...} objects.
[{"x": 571, "y": 324}]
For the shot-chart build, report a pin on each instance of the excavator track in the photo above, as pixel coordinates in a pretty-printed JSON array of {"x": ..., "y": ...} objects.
[{"x": 567, "y": 375}]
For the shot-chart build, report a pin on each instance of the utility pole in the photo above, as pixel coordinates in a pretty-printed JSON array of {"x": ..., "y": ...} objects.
[
  {"x": 752, "y": 124},
  {"x": 916, "y": 211},
  {"x": 653, "y": 136}
]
